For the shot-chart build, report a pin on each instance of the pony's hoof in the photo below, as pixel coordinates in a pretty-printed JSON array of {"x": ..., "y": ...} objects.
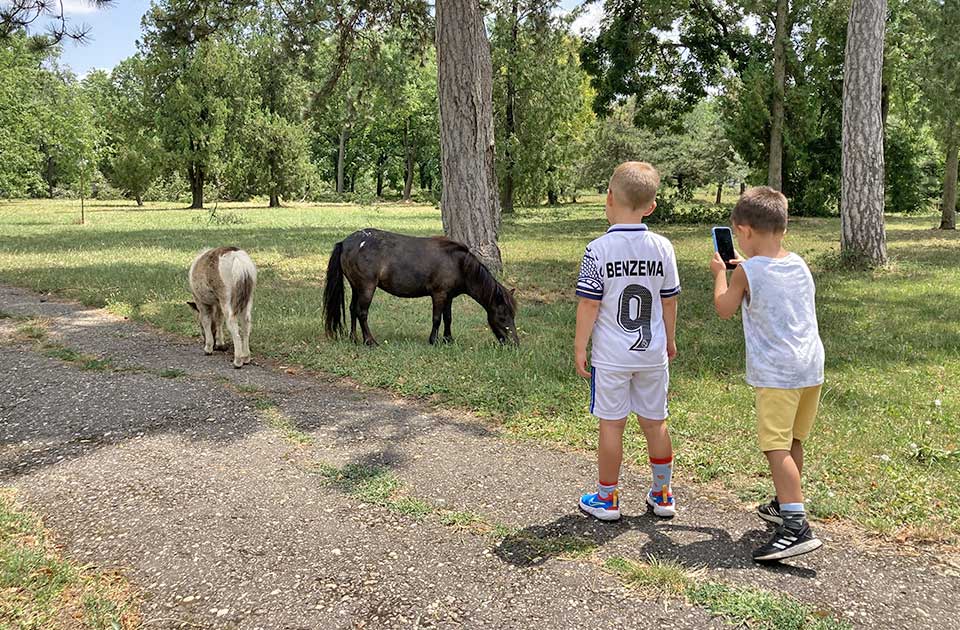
[
  {"x": 370, "y": 342},
  {"x": 246, "y": 360},
  {"x": 207, "y": 352},
  {"x": 237, "y": 363}
]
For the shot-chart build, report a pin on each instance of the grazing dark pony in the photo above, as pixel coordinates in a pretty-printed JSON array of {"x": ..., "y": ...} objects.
[{"x": 410, "y": 267}]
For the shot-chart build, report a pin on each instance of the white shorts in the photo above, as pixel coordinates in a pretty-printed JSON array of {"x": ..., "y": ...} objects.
[{"x": 614, "y": 394}]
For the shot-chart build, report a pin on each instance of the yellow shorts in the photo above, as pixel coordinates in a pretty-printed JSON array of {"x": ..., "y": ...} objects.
[{"x": 785, "y": 415}]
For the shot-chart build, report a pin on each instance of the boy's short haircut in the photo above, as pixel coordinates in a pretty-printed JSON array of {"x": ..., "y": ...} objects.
[
  {"x": 635, "y": 184},
  {"x": 762, "y": 208}
]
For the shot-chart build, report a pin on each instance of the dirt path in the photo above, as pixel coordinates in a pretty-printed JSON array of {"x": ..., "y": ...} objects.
[{"x": 206, "y": 486}]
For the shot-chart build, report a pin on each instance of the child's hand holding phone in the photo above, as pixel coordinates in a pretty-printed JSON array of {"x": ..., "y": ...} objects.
[{"x": 725, "y": 254}]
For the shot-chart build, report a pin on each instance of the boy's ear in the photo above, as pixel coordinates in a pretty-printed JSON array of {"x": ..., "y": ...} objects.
[
  {"x": 193, "y": 305},
  {"x": 653, "y": 206}
]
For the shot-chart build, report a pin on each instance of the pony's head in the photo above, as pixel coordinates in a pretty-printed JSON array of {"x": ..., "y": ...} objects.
[{"x": 501, "y": 314}]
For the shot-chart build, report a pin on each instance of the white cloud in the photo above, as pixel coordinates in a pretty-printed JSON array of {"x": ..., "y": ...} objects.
[
  {"x": 78, "y": 7},
  {"x": 589, "y": 21}
]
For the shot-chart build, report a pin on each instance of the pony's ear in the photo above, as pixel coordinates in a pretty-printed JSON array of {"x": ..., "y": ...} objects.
[{"x": 193, "y": 305}]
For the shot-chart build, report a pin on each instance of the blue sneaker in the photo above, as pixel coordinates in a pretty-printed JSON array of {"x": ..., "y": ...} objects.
[
  {"x": 603, "y": 509},
  {"x": 662, "y": 502}
]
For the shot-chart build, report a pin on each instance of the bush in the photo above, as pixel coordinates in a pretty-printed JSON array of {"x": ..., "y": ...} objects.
[
  {"x": 675, "y": 209},
  {"x": 912, "y": 168},
  {"x": 168, "y": 187}
]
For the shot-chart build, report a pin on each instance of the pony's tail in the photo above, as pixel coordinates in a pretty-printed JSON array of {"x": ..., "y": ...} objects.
[
  {"x": 242, "y": 292},
  {"x": 333, "y": 298}
]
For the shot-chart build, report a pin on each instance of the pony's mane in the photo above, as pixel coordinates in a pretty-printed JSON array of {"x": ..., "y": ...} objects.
[{"x": 491, "y": 291}]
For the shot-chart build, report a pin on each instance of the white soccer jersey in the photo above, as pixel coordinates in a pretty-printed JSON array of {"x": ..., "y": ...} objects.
[{"x": 629, "y": 269}]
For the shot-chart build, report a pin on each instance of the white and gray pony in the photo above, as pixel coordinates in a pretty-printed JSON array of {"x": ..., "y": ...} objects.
[{"x": 222, "y": 282}]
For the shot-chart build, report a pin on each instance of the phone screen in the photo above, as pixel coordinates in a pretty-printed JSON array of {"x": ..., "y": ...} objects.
[{"x": 723, "y": 243}]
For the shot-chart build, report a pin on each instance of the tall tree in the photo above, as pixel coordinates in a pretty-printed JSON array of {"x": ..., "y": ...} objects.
[
  {"x": 780, "y": 38},
  {"x": 470, "y": 205},
  {"x": 948, "y": 202},
  {"x": 192, "y": 72},
  {"x": 861, "y": 201},
  {"x": 21, "y": 116},
  {"x": 541, "y": 102},
  {"x": 935, "y": 50},
  {"x": 21, "y": 15}
]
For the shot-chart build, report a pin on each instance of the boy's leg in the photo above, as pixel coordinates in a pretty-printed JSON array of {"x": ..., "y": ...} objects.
[
  {"x": 786, "y": 476},
  {"x": 648, "y": 392},
  {"x": 610, "y": 451},
  {"x": 796, "y": 452},
  {"x": 660, "y": 451},
  {"x": 780, "y": 413},
  {"x": 608, "y": 399}
]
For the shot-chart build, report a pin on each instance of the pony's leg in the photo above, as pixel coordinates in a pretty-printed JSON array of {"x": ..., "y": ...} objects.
[
  {"x": 218, "y": 327},
  {"x": 234, "y": 327},
  {"x": 245, "y": 331},
  {"x": 208, "y": 326},
  {"x": 363, "y": 308},
  {"x": 447, "y": 320},
  {"x": 439, "y": 305},
  {"x": 354, "y": 314}
]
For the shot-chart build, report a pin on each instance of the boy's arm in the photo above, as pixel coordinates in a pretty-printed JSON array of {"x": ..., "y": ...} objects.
[
  {"x": 670, "y": 324},
  {"x": 587, "y": 311},
  {"x": 727, "y": 299}
]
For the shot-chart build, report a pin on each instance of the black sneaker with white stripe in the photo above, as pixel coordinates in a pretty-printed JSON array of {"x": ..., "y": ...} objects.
[
  {"x": 787, "y": 543},
  {"x": 770, "y": 512}
]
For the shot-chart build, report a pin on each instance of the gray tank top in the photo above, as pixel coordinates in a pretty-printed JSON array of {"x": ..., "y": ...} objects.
[{"x": 780, "y": 324}]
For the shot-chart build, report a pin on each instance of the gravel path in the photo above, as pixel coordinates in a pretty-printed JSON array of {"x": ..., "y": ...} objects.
[{"x": 223, "y": 522}]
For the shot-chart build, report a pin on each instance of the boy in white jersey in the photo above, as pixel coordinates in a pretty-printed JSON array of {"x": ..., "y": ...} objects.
[
  {"x": 784, "y": 356},
  {"x": 628, "y": 289}
]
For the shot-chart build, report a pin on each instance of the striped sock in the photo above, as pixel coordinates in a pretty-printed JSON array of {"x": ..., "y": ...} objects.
[
  {"x": 606, "y": 490},
  {"x": 793, "y": 514},
  {"x": 662, "y": 473}
]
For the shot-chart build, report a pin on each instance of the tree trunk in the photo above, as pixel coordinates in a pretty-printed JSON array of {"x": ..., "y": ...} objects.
[
  {"x": 469, "y": 204},
  {"x": 195, "y": 174},
  {"x": 380, "y": 176},
  {"x": 743, "y": 187},
  {"x": 139, "y": 199},
  {"x": 510, "y": 128},
  {"x": 425, "y": 182},
  {"x": 861, "y": 195},
  {"x": 719, "y": 193},
  {"x": 948, "y": 203},
  {"x": 274, "y": 199},
  {"x": 408, "y": 161},
  {"x": 341, "y": 156},
  {"x": 780, "y": 37}
]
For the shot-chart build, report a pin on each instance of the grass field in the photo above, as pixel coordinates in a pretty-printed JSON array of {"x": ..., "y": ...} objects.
[
  {"x": 41, "y": 591},
  {"x": 885, "y": 453}
]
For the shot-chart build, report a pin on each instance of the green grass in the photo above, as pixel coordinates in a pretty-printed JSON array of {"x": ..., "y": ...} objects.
[
  {"x": 41, "y": 591},
  {"x": 281, "y": 422},
  {"x": 883, "y": 454},
  {"x": 172, "y": 373},
  {"x": 737, "y": 605},
  {"x": 79, "y": 359},
  {"x": 375, "y": 485}
]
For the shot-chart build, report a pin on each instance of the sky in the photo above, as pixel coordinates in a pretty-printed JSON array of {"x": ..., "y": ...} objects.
[{"x": 114, "y": 31}]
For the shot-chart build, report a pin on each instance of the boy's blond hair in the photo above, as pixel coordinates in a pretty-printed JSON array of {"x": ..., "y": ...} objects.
[
  {"x": 762, "y": 208},
  {"x": 634, "y": 185}
]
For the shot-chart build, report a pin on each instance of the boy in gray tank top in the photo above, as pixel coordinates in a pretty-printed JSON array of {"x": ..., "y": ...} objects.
[{"x": 784, "y": 356}]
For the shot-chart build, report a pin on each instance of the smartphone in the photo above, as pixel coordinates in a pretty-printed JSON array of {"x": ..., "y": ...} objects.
[{"x": 723, "y": 243}]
